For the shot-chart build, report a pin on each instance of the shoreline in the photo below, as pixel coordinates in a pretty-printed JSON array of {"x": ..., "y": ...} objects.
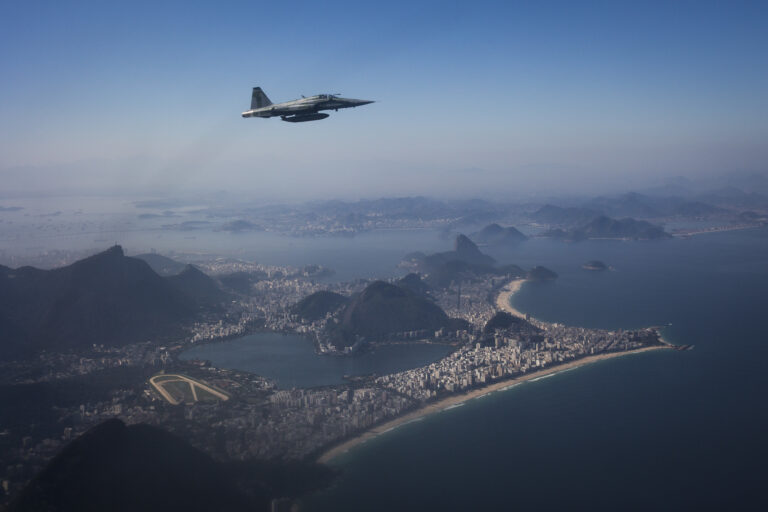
[
  {"x": 457, "y": 400},
  {"x": 503, "y": 302},
  {"x": 453, "y": 401}
]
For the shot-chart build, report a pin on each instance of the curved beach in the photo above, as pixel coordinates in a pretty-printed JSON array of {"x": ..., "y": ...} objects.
[
  {"x": 449, "y": 402},
  {"x": 503, "y": 300}
]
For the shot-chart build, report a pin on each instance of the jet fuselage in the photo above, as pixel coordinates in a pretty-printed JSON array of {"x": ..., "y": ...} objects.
[{"x": 304, "y": 109}]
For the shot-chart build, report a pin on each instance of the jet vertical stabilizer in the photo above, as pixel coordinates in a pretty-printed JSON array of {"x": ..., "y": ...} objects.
[{"x": 259, "y": 99}]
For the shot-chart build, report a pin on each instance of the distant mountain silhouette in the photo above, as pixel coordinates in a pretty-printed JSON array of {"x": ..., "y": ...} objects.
[
  {"x": 107, "y": 298},
  {"x": 555, "y": 215},
  {"x": 465, "y": 262},
  {"x": 238, "y": 226},
  {"x": 318, "y": 305},
  {"x": 752, "y": 217},
  {"x": 242, "y": 282},
  {"x": 414, "y": 283},
  {"x": 493, "y": 234},
  {"x": 606, "y": 227},
  {"x": 631, "y": 204},
  {"x": 733, "y": 197},
  {"x": 132, "y": 468},
  {"x": 464, "y": 250},
  {"x": 383, "y": 309},
  {"x": 195, "y": 284},
  {"x": 162, "y": 265},
  {"x": 634, "y": 204}
]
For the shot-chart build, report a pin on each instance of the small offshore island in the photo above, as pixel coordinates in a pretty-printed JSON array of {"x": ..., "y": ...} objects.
[{"x": 595, "y": 266}]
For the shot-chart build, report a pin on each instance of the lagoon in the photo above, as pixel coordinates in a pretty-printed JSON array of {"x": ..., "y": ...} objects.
[{"x": 291, "y": 360}]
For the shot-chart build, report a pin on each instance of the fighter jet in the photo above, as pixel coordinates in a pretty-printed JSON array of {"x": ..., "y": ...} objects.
[{"x": 298, "y": 111}]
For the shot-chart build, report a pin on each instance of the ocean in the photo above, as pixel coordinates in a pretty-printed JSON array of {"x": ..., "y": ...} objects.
[{"x": 663, "y": 430}]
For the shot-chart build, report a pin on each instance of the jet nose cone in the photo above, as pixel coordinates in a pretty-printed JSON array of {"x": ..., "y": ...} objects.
[{"x": 362, "y": 102}]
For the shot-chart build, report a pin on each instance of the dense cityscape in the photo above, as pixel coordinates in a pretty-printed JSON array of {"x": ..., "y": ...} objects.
[{"x": 263, "y": 421}]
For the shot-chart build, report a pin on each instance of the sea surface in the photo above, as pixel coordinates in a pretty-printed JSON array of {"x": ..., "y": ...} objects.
[
  {"x": 662, "y": 430},
  {"x": 291, "y": 361}
]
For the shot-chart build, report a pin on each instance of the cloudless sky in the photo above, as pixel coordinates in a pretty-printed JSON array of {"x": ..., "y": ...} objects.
[{"x": 471, "y": 97}]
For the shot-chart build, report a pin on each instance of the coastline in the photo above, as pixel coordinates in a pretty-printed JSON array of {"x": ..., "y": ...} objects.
[
  {"x": 453, "y": 401},
  {"x": 503, "y": 298},
  {"x": 458, "y": 399}
]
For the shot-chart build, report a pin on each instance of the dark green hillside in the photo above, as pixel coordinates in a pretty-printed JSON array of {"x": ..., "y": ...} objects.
[
  {"x": 107, "y": 298},
  {"x": 318, "y": 305},
  {"x": 198, "y": 286},
  {"x": 414, "y": 283},
  {"x": 502, "y": 320},
  {"x": 143, "y": 468},
  {"x": 383, "y": 309}
]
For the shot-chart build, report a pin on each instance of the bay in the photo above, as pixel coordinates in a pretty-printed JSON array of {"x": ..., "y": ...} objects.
[{"x": 656, "y": 431}]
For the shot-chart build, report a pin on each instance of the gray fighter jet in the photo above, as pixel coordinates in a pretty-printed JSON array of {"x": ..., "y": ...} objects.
[{"x": 298, "y": 111}]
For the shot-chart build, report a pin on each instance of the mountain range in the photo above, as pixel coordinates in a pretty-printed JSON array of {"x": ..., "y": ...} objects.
[
  {"x": 108, "y": 298},
  {"x": 606, "y": 227}
]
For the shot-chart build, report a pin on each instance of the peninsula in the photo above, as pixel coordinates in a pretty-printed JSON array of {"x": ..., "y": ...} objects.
[{"x": 644, "y": 341}]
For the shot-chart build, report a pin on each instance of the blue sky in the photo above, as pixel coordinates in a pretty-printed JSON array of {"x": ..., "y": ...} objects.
[{"x": 134, "y": 96}]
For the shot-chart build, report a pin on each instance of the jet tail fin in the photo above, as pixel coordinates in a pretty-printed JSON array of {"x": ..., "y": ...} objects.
[{"x": 259, "y": 99}]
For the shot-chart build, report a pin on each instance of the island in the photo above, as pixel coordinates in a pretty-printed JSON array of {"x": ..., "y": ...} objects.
[{"x": 595, "y": 265}]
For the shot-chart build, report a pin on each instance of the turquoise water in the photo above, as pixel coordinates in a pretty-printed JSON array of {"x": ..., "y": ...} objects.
[
  {"x": 291, "y": 360},
  {"x": 656, "y": 431}
]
